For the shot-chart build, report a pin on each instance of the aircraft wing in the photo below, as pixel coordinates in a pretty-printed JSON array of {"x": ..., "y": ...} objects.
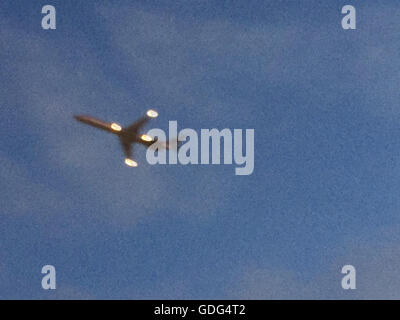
[
  {"x": 137, "y": 125},
  {"x": 127, "y": 147}
]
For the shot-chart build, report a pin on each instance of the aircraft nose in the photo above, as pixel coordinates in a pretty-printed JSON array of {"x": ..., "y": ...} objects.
[{"x": 79, "y": 118}]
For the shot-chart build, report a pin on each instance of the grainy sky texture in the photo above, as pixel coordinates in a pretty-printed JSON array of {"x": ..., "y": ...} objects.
[{"x": 325, "y": 192}]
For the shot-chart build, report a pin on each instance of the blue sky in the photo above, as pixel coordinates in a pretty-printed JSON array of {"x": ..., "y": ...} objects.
[{"x": 325, "y": 190}]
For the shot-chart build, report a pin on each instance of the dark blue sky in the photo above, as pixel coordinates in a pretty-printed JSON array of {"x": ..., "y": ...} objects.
[{"x": 325, "y": 190}]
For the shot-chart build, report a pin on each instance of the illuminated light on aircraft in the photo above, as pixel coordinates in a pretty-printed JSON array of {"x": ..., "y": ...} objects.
[
  {"x": 116, "y": 127},
  {"x": 130, "y": 162},
  {"x": 145, "y": 137},
  {"x": 152, "y": 113}
]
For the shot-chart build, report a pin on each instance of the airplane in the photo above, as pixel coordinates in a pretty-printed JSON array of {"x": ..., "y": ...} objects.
[{"x": 128, "y": 135}]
